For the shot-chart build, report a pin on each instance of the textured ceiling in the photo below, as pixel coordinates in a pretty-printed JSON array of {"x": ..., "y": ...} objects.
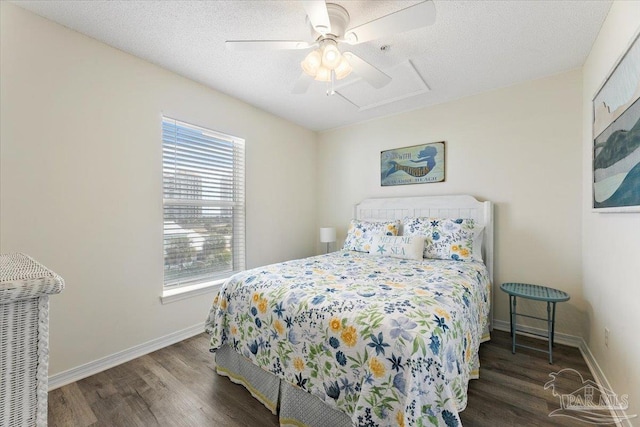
[{"x": 474, "y": 46}]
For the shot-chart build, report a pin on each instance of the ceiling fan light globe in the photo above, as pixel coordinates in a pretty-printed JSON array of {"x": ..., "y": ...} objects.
[
  {"x": 343, "y": 69},
  {"x": 309, "y": 71},
  {"x": 312, "y": 63},
  {"x": 331, "y": 56},
  {"x": 323, "y": 74}
]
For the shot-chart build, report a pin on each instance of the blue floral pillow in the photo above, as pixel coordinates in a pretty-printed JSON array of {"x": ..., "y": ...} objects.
[
  {"x": 446, "y": 238},
  {"x": 360, "y": 234}
]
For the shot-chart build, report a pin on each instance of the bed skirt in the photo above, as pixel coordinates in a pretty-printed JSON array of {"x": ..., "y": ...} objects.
[{"x": 294, "y": 406}]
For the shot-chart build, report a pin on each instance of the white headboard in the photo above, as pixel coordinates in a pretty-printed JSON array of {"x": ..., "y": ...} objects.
[{"x": 435, "y": 206}]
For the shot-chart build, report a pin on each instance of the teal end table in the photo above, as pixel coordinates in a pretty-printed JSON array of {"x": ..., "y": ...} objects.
[{"x": 538, "y": 293}]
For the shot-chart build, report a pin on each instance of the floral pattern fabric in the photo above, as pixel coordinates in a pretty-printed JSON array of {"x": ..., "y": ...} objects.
[
  {"x": 450, "y": 239},
  {"x": 360, "y": 234},
  {"x": 387, "y": 341}
]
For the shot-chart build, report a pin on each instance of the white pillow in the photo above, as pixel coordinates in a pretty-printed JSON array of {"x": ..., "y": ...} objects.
[{"x": 405, "y": 247}]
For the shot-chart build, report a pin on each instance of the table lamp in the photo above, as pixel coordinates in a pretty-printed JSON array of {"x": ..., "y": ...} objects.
[{"x": 328, "y": 236}]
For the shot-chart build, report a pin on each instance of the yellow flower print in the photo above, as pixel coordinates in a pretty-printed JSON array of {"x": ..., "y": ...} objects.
[
  {"x": 278, "y": 327},
  {"x": 455, "y": 248},
  {"x": 400, "y": 418},
  {"x": 358, "y": 233},
  {"x": 366, "y": 247},
  {"x": 223, "y": 304},
  {"x": 377, "y": 368},
  {"x": 349, "y": 336},
  {"x": 442, "y": 313},
  {"x": 335, "y": 324},
  {"x": 298, "y": 364},
  {"x": 216, "y": 299},
  {"x": 464, "y": 252},
  {"x": 262, "y": 305},
  {"x": 234, "y": 330},
  {"x": 256, "y": 297}
]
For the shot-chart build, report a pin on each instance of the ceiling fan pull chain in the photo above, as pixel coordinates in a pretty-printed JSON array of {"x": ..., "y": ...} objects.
[{"x": 330, "y": 83}]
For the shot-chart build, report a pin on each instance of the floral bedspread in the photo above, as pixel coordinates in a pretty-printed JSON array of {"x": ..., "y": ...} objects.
[{"x": 387, "y": 341}]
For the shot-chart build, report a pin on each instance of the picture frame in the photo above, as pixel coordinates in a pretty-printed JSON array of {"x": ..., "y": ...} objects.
[
  {"x": 417, "y": 164},
  {"x": 616, "y": 136}
]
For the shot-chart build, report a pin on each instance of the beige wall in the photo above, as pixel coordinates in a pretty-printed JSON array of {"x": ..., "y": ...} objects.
[
  {"x": 611, "y": 242},
  {"x": 81, "y": 182},
  {"x": 80, "y": 186},
  {"x": 518, "y": 147}
]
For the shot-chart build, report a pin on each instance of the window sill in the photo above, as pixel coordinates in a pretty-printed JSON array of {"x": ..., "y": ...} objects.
[{"x": 173, "y": 295}]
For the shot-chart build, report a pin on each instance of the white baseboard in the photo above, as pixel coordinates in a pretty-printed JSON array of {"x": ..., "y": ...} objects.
[
  {"x": 580, "y": 343},
  {"x": 566, "y": 339},
  {"x": 601, "y": 379},
  {"x": 104, "y": 363}
]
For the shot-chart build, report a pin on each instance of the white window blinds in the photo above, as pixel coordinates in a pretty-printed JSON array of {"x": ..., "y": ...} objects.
[{"x": 203, "y": 184}]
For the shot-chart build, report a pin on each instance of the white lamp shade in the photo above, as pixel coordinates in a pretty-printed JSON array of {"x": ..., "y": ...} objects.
[
  {"x": 327, "y": 235},
  {"x": 320, "y": 62},
  {"x": 323, "y": 74},
  {"x": 343, "y": 69},
  {"x": 312, "y": 62},
  {"x": 330, "y": 56}
]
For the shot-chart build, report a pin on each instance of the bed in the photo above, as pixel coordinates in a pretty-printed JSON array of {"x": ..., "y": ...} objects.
[{"x": 357, "y": 338}]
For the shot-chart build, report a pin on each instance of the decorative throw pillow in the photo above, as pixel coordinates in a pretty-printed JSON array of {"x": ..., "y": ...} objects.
[
  {"x": 361, "y": 233},
  {"x": 446, "y": 238},
  {"x": 406, "y": 247}
]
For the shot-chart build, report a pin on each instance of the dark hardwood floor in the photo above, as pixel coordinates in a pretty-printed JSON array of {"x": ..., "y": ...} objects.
[
  {"x": 510, "y": 391},
  {"x": 177, "y": 386}
]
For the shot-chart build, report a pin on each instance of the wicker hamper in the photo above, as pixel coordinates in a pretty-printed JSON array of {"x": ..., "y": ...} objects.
[{"x": 25, "y": 286}]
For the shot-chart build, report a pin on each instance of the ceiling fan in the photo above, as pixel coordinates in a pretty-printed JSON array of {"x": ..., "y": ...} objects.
[{"x": 329, "y": 28}]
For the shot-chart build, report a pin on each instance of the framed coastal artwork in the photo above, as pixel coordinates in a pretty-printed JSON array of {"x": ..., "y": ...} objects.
[
  {"x": 418, "y": 164},
  {"x": 616, "y": 136}
]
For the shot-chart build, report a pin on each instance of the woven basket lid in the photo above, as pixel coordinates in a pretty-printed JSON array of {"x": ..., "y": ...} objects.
[{"x": 23, "y": 277}]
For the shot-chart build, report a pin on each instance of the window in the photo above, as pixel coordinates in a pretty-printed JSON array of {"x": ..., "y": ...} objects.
[{"x": 203, "y": 186}]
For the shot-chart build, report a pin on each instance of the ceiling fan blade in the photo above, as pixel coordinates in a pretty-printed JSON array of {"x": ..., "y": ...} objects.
[
  {"x": 318, "y": 15},
  {"x": 368, "y": 72},
  {"x": 302, "y": 84},
  {"x": 416, "y": 16},
  {"x": 241, "y": 45}
]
